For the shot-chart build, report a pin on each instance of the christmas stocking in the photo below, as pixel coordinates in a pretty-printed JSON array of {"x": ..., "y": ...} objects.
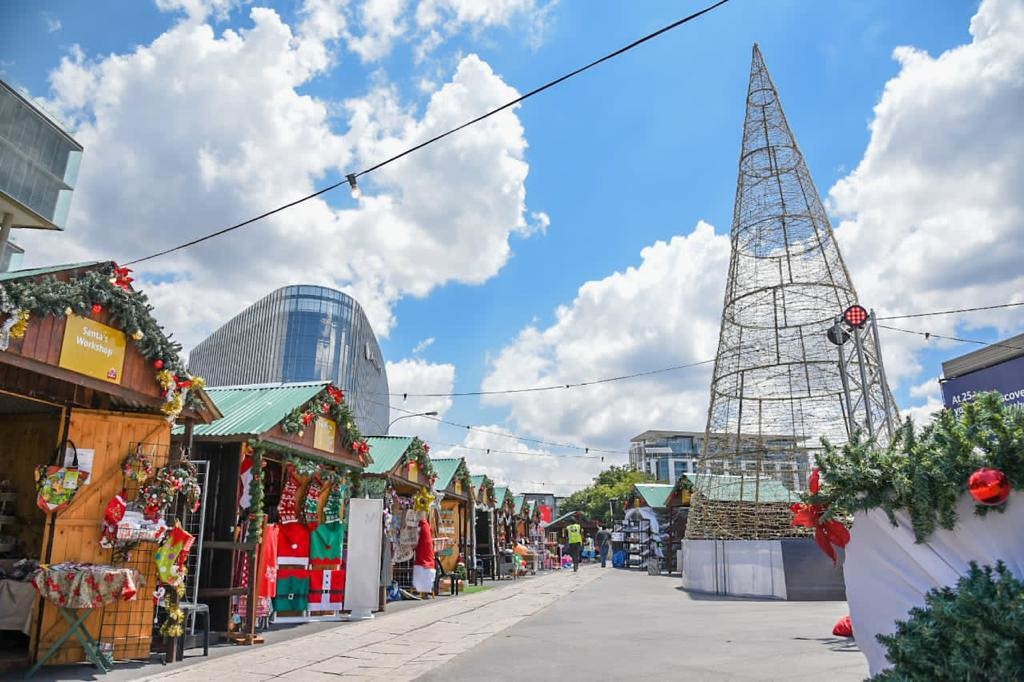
[
  {"x": 171, "y": 555},
  {"x": 113, "y": 514},
  {"x": 288, "y": 507},
  {"x": 333, "y": 506},
  {"x": 311, "y": 505}
]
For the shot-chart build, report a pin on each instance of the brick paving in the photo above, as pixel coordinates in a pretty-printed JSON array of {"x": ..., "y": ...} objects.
[{"x": 398, "y": 646}]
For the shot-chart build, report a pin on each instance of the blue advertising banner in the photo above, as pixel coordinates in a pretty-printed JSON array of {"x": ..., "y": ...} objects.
[{"x": 1006, "y": 377}]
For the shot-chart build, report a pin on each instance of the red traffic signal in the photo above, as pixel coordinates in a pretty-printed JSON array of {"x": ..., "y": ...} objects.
[{"x": 855, "y": 316}]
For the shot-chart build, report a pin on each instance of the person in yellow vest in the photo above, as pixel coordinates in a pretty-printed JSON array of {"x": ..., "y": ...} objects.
[{"x": 574, "y": 536}]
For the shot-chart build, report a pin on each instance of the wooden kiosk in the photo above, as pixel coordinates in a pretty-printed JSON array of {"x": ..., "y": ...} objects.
[
  {"x": 401, "y": 470},
  {"x": 454, "y": 491},
  {"x": 485, "y": 549},
  {"x": 84, "y": 368},
  {"x": 290, "y": 441}
]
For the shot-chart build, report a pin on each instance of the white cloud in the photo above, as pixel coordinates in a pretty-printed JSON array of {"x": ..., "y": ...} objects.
[
  {"x": 494, "y": 451},
  {"x": 382, "y": 24},
  {"x": 200, "y": 10},
  {"x": 198, "y": 130},
  {"x": 418, "y": 376},
  {"x": 423, "y": 345},
  {"x": 52, "y": 22},
  {"x": 933, "y": 214},
  {"x": 663, "y": 312}
]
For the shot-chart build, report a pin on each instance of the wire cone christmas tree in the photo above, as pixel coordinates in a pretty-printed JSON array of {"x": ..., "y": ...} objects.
[{"x": 779, "y": 385}]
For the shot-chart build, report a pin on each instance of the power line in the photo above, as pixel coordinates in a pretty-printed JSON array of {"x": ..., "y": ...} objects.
[
  {"x": 930, "y": 335},
  {"x": 951, "y": 312},
  {"x": 350, "y": 178},
  {"x": 510, "y": 435},
  {"x": 489, "y": 451},
  {"x": 552, "y": 387}
]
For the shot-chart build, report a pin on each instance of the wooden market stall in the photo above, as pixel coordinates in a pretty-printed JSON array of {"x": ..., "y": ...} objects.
[
  {"x": 454, "y": 491},
  {"x": 281, "y": 464},
  {"x": 504, "y": 528},
  {"x": 484, "y": 536},
  {"x": 402, "y": 474},
  {"x": 89, "y": 386}
]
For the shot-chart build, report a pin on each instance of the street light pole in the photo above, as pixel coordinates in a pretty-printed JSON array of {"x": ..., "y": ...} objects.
[{"x": 432, "y": 413}]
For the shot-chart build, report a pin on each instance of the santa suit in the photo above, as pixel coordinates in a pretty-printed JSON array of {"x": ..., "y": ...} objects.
[{"x": 423, "y": 570}]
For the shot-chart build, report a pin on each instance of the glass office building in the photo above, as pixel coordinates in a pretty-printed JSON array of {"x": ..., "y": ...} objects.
[
  {"x": 38, "y": 164},
  {"x": 301, "y": 333}
]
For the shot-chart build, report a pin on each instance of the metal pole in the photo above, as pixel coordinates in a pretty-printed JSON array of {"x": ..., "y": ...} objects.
[
  {"x": 864, "y": 382},
  {"x": 881, "y": 374},
  {"x": 5, "y": 233},
  {"x": 851, "y": 425}
]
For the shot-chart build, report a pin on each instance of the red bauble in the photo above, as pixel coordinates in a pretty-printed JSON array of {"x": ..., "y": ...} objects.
[
  {"x": 989, "y": 486},
  {"x": 97, "y": 309},
  {"x": 159, "y": 364}
]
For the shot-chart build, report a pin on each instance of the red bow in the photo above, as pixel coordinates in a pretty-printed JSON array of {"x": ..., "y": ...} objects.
[
  {"x": 182, "y": 383},
  {"x": 325, "y": 408},
  {"x": 361, "y": 447},
  {"x": 122, "y": 279},
  {"x": 336, "y": 394},
  {"x": 827, "y": 533},
  {"x": 307, "y": 418}
]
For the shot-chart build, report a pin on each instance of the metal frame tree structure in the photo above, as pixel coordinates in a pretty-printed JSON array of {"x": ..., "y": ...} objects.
[{"x": 781, "y": 383}]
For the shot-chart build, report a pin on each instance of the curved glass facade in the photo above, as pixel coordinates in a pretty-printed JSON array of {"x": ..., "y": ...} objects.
[{"x": 301, "y": 333}]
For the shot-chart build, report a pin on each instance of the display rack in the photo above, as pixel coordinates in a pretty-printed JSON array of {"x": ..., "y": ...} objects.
[{"x": 637, "y": 542}]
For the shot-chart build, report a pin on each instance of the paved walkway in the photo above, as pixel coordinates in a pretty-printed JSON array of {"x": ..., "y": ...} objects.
[
  {"x": 631, "y": 626},
  {"x": 400, "y": 646}
]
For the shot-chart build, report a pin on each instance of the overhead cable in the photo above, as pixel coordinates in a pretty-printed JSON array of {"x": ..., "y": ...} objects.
[{"x": 350, "y": 177}]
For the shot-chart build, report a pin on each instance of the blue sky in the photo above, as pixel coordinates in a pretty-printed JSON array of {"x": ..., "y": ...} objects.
[{"x": 633, "y": 152}]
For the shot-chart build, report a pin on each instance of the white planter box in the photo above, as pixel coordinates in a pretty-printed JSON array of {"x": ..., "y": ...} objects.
[{"x": 887, "y": 574}]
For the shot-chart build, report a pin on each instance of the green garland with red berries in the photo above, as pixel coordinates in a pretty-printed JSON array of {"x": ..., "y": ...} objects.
[
  {"x": 419, "y": 452},
  {"x": 329, "y": 403},
  {"x": 106, "y": 287},
  {"x": 925, "y": 471}
]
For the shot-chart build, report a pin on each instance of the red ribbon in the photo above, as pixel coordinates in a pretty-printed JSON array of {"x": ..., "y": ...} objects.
[
  {"x": 307, "y": 418},
  {"x": 361, "y": 448},
  {"x": 336, "y": 394},
  {"x": 827, "y": 534},
  {"x": 122, "y": 278}
]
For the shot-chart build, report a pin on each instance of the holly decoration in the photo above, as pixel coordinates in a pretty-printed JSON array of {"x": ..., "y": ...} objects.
[
  {"x": 329, "y": 403},
  {"x": 103, "y": 288},
  {"x": 177, "y": 478},
  {"x": 989, "y": 486},
  {"x": 419, "y": 452},
  {"x": 925, "y": 471},
  {"x": 137, "y": 467}
]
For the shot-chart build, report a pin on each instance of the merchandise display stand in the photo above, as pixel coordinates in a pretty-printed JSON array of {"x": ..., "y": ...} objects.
[{"x": 638, "y": 542}]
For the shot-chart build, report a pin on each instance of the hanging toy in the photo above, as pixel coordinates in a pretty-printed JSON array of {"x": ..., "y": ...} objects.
[{"x": 111, "y": 517}]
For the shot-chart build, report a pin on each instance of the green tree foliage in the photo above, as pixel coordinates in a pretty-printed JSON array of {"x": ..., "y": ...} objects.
[
  {"x": 972, "y": 632},
  {"x": 925, "y": 471},
  {"x": 614, "y": 483}
]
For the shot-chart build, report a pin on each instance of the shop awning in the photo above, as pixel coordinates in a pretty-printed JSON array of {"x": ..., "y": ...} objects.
[
  {"x": 253, "y": 410},
  {"x": 654, "y": 494}
]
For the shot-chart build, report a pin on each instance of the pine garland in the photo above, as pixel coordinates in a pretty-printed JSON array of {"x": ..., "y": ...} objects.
[
  {"x": 924, "y": 471},
  {"x": 419, "y": 452},
  {"x": 329, "y": 403},
  {"x": 108, "y": 287},
  {"x": 974, "y": 631}
]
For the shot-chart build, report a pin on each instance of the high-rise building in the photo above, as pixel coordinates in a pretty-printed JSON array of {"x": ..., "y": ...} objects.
[
  {"x": 38, "y": 169},
  {"x": 301, "y": 333}
]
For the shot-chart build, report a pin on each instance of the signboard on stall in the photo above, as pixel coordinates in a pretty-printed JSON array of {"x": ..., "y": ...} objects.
[
  {"x": 1006, "y": 377},
  {"x": 362, "y": 565},
  {"x": 446, "y": 529},
  {"x": 93, "y": 349},
  {"x": 414, "y": 470},
  {"x": 324, "y": 431}
]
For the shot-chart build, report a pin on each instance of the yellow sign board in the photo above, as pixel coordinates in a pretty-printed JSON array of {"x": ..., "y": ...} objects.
[
  {"x": 414, "y": 470},
  {"x": 324, "y": 430},
  {"x": 93, "y": 349}
]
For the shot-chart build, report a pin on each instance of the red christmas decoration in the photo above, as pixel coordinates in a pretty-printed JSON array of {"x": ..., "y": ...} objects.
[
  {"x": 989, "y": 486},
  {"x": 159, "y": 364},
  {"x": 325, "y": 408},
  {"x": 336, "y": 394},
  {"x": 122, "y": 279},
  {"x": 182, "y": 383},
  {"x": 97, "y": 309},
  {"x": 828, "y": 534},
  {"x": 361, "y": 448},
  {"x": 307, "y": 418},
  {"x": 843, "y": 628}
]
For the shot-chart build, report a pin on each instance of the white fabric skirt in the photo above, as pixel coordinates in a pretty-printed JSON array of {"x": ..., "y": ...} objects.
[{"x": 423, "y": 578}]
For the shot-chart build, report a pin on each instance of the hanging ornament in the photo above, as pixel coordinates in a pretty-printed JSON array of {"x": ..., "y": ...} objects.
[
  {"x": 137, "y": 334},
  {"x": 159, "y": 364},
  {"x": 988, "y": 486},
  {"x": 68, "y": 311},
  {"x": 97, "y": 309}
]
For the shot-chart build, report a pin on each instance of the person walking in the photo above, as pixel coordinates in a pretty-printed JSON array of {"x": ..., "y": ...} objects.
[
  {"x": 603, "y": 538},
  {"x": 574, "y": 535}
]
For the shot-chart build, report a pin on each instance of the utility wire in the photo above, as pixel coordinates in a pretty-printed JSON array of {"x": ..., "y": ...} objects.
[
  {"x": 434, "y": 139},
  {"x": 930, "y": 335},
  {"x": 552, "y": 387},
  {"x": 489, "y": 451},
  {"x": 512, "y": 436},
  {"x": 950, "y": 312}
]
